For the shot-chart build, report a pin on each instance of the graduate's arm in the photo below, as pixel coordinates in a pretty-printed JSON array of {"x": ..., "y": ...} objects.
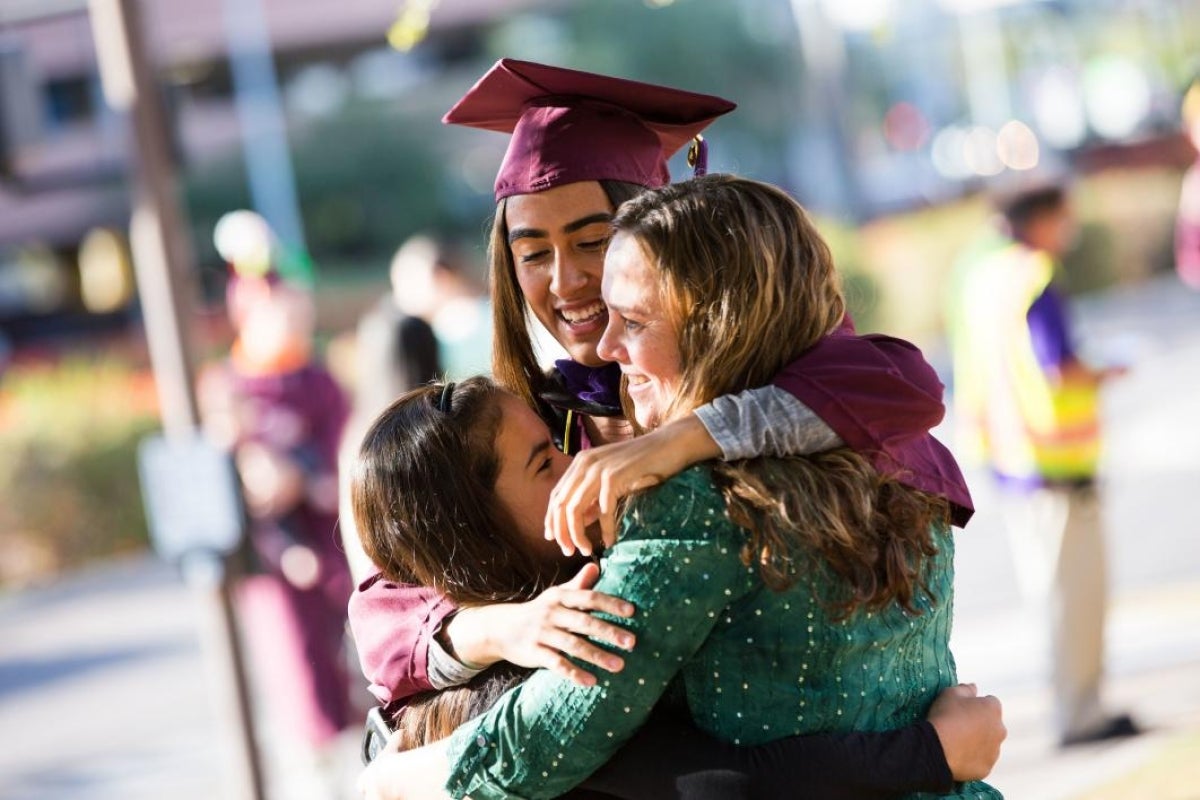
[
  {"x": 758, "y": 422},
  {"x": 411, "y": 639}
]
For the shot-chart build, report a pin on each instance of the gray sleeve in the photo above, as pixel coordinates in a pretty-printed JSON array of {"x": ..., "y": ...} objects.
[
  {"x": 444, "y": 670},
  {"x": 765, "y": 422}
]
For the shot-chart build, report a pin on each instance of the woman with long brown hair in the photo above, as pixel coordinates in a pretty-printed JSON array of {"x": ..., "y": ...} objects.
[{"x": 777, "y": 596}]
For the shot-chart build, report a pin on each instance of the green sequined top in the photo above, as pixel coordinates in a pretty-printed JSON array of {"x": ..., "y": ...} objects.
[{"x": 753, "y": 664}]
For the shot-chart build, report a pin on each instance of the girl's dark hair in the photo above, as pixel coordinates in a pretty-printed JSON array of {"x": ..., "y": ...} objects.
[
  {"x": 422, "y": 491},
  {"x": 513, "y": 361},
  {"x": 750, "y": 285},
  {"x": 431, "y": 716}
]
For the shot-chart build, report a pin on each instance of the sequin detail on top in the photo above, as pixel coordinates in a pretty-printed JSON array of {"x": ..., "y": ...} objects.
[{"x": 754, "y": 665}]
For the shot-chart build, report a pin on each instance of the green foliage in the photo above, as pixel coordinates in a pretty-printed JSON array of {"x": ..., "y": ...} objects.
[
  {"x": 367, "y": 178},
  {"x": 741, "y": 50},
  {"x": 1091, "y": 265},
  {"x": 68, "y": 481},
  {"x": 860, "y": 288}
]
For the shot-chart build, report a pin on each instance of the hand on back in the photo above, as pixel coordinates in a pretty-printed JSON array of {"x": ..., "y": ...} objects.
[
  {"x": 971, "y": 730},
  {"x": 591, "y": 488},
  {"x": 544, "y": 631}
]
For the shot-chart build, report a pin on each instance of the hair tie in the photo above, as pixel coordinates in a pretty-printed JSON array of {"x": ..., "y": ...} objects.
[{"x": 444, "y": 401}]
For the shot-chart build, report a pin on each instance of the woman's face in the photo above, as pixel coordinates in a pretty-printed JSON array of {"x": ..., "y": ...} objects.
[
  {"x": 557, "y": 238},
  {"x": 530, "y": 465},
  {"x": 642, "y": 335}
]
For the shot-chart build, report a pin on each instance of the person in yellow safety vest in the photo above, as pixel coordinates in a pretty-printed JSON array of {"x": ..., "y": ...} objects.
[{"x": 1028, "y": 409}]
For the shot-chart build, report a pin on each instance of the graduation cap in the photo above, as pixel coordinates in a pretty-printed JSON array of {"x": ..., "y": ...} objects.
[{"x": 570, "y": 126}]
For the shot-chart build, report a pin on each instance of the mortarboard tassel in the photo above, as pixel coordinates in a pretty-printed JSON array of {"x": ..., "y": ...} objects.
[{"x": 697, "y": 157}]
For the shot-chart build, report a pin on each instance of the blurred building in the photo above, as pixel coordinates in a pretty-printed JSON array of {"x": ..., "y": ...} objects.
[
  {"x": 64, "y": 155},
  {"x": 861, "y": 109}
]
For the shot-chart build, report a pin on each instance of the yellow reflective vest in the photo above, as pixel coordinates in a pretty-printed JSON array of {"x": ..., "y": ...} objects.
[{"x": 1011, "y": 413}]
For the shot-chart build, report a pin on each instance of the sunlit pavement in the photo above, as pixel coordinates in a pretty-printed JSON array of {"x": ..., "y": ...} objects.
[{"x": 104, "y": 694}]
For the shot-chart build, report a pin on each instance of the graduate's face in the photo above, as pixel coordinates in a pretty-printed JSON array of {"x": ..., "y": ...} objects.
[
  {"x": 557, "y": 238},
  {"x": 530, "y": 465},
  {"x": 642, "y": 335}
]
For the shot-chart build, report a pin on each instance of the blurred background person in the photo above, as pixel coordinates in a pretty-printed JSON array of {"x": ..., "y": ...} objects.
[
  {"x": 1187, "y": 225},
  {"x": 1029, "y": 409},
  {"x": 395, "y": 349},
  {"x": 435, "y": 322},
  {"x": 280, "y": 413},
  {"x": 433, "y": 280}
]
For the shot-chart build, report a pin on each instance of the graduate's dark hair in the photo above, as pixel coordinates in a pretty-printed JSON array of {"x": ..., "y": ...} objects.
[
  {"x": 422, "y": 492},
  {"x": 513, "y": 361},
  {"x": 749, "y": 285}
]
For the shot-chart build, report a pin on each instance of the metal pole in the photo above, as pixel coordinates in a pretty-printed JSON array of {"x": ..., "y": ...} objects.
[
  {"x": 823, "y": 48},
  {"x": 163, "y": 264},
  {"x": 162, "y": 257},
  {"x": 265, "y": 148}
]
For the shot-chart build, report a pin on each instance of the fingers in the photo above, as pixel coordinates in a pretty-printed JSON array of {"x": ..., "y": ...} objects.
[
  {"x": 577, "y": 531},
  {"x": 581, "y": 649},
  {"x": 582, "y": 600},
  {"x": 563, "y": 667},
  {"x": 560, "y": 527},
  {"x": 590, "y": 490},
  {"x": 578, "y": 497},
  {"x": 585, "y": 579},
  {"x": 585, "y": 624}
]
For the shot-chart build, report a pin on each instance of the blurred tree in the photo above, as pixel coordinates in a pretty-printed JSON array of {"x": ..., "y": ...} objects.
[
  {"x": 368, "y": 178},
  {"x": 742, "y": 50}
]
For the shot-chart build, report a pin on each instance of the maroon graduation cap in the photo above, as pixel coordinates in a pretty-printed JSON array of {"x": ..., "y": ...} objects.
[{"x": 571, "y": 126}]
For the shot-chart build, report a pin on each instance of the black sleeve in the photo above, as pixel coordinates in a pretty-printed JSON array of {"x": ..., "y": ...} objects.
[{"x": 671, "y": 759}]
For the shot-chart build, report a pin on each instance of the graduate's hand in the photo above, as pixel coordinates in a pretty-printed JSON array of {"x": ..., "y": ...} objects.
[
  {"x": 419, "y": 774},
  {"x": 545, "y": 630},
  {"x": 599, "y": 477},
  {"x": 970, "y": 728}
]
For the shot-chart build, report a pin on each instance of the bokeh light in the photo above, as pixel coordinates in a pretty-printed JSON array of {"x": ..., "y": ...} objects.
[
  {"x": 1017, "y": 146},
  {"x": 105, "y": 271},
  {"x": 979, "y": 152},
  {"x": 905, "y": 127},
  {"x": 1058, "y": 108},
  {"x": 946, "y": 153},
  {"x": 1117, "y": 96}
]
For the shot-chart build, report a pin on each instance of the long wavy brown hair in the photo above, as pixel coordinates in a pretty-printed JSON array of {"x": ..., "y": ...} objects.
[
  {"x": 514, "y": 364},
  {"x": 423, "y": 495},
  {"x": 751, "y": 285}
]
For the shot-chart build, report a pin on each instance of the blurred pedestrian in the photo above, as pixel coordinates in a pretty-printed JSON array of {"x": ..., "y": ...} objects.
[
  {"x": 432, "y": 280},
  {"x": 281, "y": 414},
  {"x": 396, "y": 350},
  {"x": 1028, "y": 408},
  {"x": 1187, "y": 225}
]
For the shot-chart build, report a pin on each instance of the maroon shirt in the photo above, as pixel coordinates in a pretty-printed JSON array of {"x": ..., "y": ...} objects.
[
  {"x": 876, "y": 392},
  {"x": 392, "y": 624}
]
